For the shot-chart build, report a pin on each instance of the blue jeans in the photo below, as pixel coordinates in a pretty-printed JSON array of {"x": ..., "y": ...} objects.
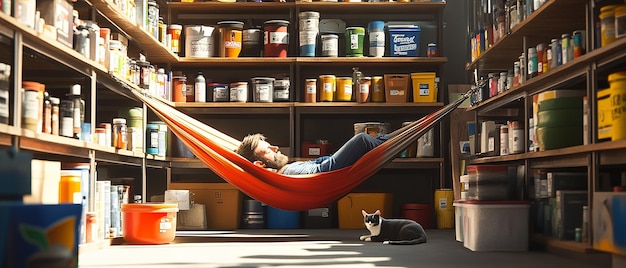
[{"x": 348, "y": 154}]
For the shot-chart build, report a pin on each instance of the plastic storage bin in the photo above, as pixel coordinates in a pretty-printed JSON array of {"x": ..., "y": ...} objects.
[
  {"x": 404, "y": 40},
  {"x": 424, "y": 89},
  {"x": 495, "y": 225}
]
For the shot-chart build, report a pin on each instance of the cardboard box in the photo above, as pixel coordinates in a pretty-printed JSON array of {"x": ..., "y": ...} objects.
[
  {"x": 350, "y": 206},
  {"x": 396, "y": 87},
  {"x": 58, "y": 13},
  {"x": 608, "y": 220},
  {"x": 222, "y": 202}
]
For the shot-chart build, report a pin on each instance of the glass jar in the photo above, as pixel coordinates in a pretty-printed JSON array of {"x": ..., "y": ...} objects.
[
  {"x": 31, "y": 108},
  {"x": 120, "y": 138}
]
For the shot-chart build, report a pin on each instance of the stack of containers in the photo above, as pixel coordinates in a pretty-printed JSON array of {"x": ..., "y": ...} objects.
[
  {"x": 309, "y": 30},
  {"x": 488, "y": 200}
]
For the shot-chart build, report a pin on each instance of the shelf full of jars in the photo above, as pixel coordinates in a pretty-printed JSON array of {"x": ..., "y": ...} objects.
[
  {"x": 196, "y": 43},
  {"x": 556, "y": 86}
]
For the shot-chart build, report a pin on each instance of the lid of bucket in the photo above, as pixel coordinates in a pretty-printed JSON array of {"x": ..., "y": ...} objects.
[{"x": 279, "y": 22}]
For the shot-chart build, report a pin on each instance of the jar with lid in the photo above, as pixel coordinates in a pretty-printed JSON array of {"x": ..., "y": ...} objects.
[
  {"x": 310, "y": 91},
  {"x": 179, "y": 89},
  {"x": 363, "y": 89},
  {"x": 31, "y": 108},
  {"x": 432, "y": 50},
  {"x": 281, "y": 89},
  {"x": 239, "y": 92},
  {"x": 119, "y": 138}
]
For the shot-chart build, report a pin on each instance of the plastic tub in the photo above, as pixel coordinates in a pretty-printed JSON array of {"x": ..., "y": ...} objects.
[
  {"x": 354, "y": 41},
  {"x": 198, "y": 41},
  {"x": 424, "y": 89},
  {"x": 495, "y": 225},
  {"x": 404, "y": 40},
  {"x": 263, "y": 89},
  {"x": 149, "y": 223},
  {"x": 276, "y": 38}
]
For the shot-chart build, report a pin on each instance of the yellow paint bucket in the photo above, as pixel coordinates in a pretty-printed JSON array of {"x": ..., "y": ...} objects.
[
  {"x": 617, "y": 88},
  {"x": 344, "y": 89},
  {"x": 444, "y": 208},
  {"x": 327, "y": 87}
]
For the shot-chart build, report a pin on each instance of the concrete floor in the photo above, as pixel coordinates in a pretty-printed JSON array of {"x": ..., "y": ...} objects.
[{"x": 333, "y": 248}]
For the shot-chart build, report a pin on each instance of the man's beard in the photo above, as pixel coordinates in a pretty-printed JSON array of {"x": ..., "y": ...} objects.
[{"x": 279, "y": 161}]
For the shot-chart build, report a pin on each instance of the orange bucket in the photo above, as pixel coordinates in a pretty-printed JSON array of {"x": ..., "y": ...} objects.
[{"x": 149, "y": 223}]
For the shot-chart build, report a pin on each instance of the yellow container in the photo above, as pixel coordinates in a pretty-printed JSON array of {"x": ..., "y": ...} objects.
[
  {"x": 617, "y": 86},
  {"x": 344, "y": 89},
  {"x": 349, "y": 208},
  {"x": 607, "y": 24},
  {"x": 445, "y": 219},
  {"x": 328, "y": 86},
  {"x": 444, "y": 208},
  {"x": 424, "y": 89},
  {"x": 69, "y": 187},
  {"x": 604, "y": 114},
  {"x": 378, "y": 89}
]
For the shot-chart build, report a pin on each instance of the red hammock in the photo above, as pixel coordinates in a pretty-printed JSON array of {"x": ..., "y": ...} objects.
[{"x": 288, "y": 192}]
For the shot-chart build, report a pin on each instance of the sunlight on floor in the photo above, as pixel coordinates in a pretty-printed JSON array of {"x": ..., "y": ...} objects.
[{"x": 331, "y": 254}]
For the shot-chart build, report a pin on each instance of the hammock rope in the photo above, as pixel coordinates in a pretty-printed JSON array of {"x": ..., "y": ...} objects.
[{"x": 288, "y": 192}]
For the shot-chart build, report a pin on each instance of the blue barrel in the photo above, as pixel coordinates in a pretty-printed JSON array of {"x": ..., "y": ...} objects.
[{"x": 282, "y": 219}]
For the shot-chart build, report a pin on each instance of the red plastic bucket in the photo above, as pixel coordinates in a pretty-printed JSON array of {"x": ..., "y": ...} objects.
[
  {"x": 417, "y": 212},
  {"x": 276, "y": 38}
]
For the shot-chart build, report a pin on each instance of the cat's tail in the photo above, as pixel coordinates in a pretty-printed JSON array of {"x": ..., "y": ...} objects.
[{"x": 419, "y": 240}]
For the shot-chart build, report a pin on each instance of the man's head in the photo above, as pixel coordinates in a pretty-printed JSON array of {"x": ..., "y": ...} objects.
[{"x": 254, "y": 148}]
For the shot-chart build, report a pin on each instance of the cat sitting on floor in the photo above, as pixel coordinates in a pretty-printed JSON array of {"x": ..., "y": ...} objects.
[{"x": 392, "y": 231}]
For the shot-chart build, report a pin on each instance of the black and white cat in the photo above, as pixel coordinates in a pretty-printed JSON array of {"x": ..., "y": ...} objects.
[{"x": 392, "y": 231}]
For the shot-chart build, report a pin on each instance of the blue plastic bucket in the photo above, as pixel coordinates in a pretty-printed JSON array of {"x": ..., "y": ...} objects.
[
  {"x": 282, "y": 219},
  {"x": 404, "y": 40}
]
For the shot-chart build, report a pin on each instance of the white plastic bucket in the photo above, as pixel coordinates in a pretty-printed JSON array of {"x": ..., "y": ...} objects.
[{"x": 198, "y": 41}]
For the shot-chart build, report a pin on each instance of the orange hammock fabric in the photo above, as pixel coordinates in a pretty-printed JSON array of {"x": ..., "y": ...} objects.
[{"x": 287, "y": 192}]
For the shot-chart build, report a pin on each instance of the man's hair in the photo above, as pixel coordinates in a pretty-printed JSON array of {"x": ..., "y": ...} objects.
[{"x": 248, "y": 145}]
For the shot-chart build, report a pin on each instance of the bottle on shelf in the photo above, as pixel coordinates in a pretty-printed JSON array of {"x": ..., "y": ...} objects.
[
  {"x": 200, "y": 88},
  {"x": 78, "y": 110}
]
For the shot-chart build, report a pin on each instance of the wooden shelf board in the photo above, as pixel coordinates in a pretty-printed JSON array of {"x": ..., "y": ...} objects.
[{"x": 580, "y": 247}]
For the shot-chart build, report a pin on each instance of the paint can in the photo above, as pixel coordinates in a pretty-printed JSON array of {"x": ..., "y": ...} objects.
[
  {"x": 230, "y": 38},
  {"x": 330, "y": 45},
  {"x": 276, "y": 38},
  {"x": 328, "y": 84},
  {"x": 198, "y": 41},
  {"x": 239, "y": 92},
  {"x": 343, "y": 91},
  {"x": 263, "y": 89},
  {"x": 354, "y": 41}
]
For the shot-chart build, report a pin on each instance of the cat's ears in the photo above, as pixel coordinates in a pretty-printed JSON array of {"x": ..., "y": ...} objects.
[{"x": 365, "y": 212}]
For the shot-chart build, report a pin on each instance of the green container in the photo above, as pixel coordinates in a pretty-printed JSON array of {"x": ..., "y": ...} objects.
[{"x": 354, "y": 41}]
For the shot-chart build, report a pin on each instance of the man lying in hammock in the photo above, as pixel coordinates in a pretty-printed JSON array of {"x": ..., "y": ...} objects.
[{"x": 261, "y": 153}]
